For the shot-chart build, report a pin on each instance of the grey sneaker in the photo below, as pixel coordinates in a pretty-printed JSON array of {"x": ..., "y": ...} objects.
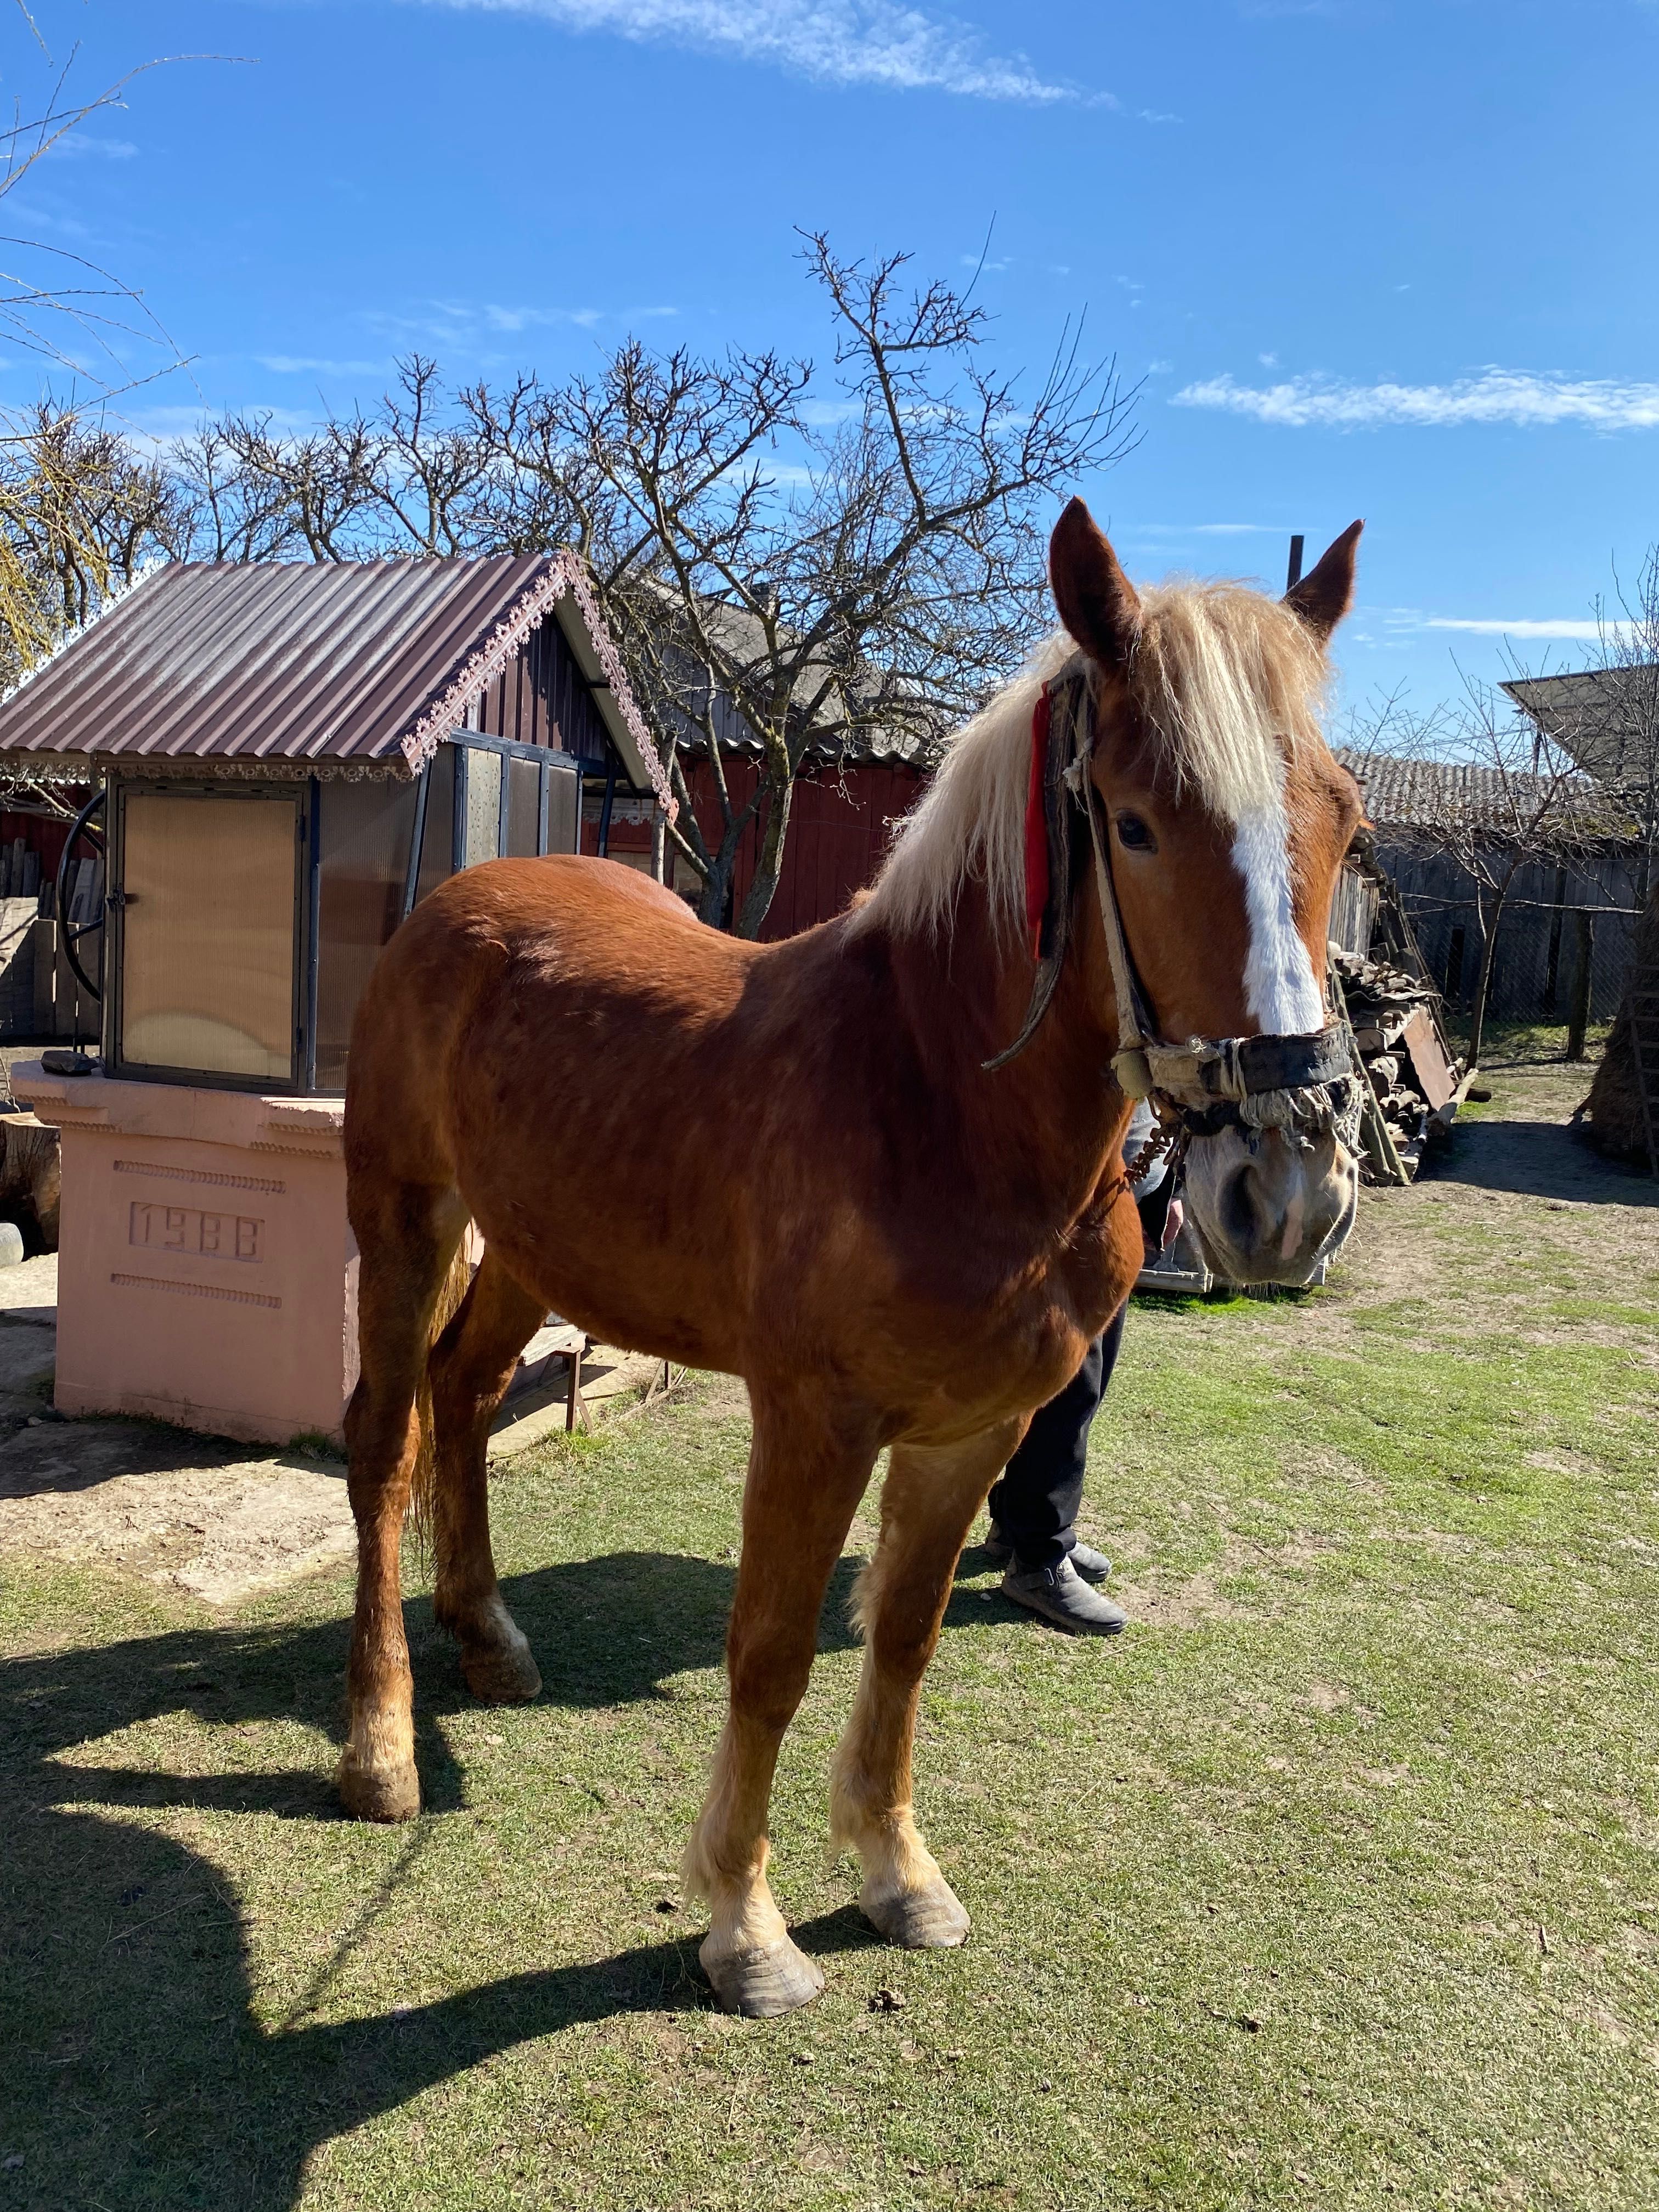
[
  {"x": 1060, "y": 1595},
  {"x": 1094, "y": 1567}
]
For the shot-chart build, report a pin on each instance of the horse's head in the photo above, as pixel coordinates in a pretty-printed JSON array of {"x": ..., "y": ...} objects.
[{"x": 1224, "y": 819}]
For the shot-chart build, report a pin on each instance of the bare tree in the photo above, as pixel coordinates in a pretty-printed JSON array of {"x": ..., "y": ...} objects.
[
  {"x": 786, "y": 561},
  {"x": 1492, "y": 793},
  {"x": 80, "y": 508},
  {"x": 56, "y": 304},
  {"x": 81, "y": 513},
  {"x": 804, "y": 563}
]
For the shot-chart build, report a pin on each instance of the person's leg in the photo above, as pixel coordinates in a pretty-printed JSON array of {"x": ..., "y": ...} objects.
[
  {"x": 1034, "y": 1503},
  {"x": 1034, "y": 1506}
]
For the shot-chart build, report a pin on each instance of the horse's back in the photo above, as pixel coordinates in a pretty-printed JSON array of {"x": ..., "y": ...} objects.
[{"x": 553, "y": 1038}]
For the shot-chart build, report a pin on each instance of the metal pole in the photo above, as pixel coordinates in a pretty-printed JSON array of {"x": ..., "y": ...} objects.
[
  {"x": 1293, "y": 573},
  {"x": 313, "y": 931},
  {"x": 417, "y": 838},
  {"x": 609, "y": 802}
]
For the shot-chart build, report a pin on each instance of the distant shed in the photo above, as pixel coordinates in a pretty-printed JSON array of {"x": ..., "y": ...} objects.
[{"x": 1559, "y": 906}]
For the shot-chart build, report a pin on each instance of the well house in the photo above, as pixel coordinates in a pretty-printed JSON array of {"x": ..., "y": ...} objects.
[{"x": 283, "y": 759}]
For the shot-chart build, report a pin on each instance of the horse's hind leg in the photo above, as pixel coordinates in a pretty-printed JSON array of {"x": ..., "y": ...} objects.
[
  {"x": 803, "y": 1485},
  {"x": 473, "y": 1363},
  {"x": 927, "y": 1506},
  {"x": 407, "y": 1235}
]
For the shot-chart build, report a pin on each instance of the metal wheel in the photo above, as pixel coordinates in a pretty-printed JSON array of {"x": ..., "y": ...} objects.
[{"x": 70, "y": 934}]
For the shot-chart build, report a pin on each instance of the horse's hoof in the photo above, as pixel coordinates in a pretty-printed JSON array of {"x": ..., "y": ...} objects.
[
  {"x": 502, "y": 1674},
  {"x": 761, "y": 1985},
  {"x": 378, "y": 1793},
  {"x": 932, "y": 1919}
]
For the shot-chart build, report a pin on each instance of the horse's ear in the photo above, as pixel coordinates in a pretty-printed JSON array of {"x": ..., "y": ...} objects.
[
  {"x": 1325, "y": 592},
  {"x": 1096, "y": 600}
]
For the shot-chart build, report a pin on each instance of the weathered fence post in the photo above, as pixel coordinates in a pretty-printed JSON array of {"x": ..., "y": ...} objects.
[{"x": 1584, "y": 926}]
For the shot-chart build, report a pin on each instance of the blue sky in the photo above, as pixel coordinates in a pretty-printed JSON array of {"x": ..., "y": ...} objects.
[{"x": 1388, "y": 258}]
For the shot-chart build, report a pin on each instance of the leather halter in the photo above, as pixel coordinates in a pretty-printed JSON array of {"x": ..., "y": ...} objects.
[{"x": 1296, "y": 1082}]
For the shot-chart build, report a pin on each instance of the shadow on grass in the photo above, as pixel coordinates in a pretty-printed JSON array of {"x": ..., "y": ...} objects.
[
  {"x": 1536, "y": 1159},
  {"x": 135, "y": 2073}
]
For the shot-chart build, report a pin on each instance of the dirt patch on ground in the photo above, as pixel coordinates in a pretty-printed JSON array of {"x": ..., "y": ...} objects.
[
  {"x": 173, "y": 1510},
  {"x": 1192, "y": 1603}
]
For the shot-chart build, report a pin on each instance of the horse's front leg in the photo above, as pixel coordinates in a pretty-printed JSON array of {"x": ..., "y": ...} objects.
[
  {"x": 927, "y": 1506},
  {"x": 804, "y": 1482}
]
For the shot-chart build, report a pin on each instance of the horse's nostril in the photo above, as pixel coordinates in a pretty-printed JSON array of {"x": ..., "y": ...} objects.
[{"x": 1238, "y": 1217}]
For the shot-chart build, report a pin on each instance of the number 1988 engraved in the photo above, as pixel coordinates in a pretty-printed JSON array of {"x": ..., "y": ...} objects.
[{"x": 192, "y": 1228}]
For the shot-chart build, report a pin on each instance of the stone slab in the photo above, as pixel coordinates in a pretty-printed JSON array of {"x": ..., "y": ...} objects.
[{"x": 29, "y": 1290}]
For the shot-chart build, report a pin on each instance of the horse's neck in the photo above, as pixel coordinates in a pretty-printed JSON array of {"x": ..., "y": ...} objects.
[{"x": 1054, "y": 1112}]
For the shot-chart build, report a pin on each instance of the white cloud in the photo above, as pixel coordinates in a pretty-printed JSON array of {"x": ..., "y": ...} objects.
[
  {"x": 1521, "y": 628},
  {"x": 78, "y": 145},
  {"x": 1180, "y": 531},
  {"x": 159, "y": 430},
  {"x": 304, "y": 364},
  {"x": 1496, "y": 395},
  {"x": 1402, "y": 622},
  {"x": 867, "y": 42},
  {"x": 455, "y": 325},
  {"x": 524, "y": 318}
]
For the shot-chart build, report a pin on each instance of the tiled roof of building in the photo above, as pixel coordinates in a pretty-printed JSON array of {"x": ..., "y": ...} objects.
[{"x": 1422, "y": 794}]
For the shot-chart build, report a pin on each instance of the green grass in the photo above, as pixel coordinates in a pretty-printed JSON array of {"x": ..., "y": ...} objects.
[
  {"x": 1333, "y": 1882},
  {"x": 1507, "y": 1041}
]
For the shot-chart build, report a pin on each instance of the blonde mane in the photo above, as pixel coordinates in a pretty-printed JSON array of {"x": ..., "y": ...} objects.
[{"x": 1227, "y": 682}]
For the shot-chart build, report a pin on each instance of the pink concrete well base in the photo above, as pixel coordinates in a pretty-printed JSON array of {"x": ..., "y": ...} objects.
[{"x": 206, "y": 1274}]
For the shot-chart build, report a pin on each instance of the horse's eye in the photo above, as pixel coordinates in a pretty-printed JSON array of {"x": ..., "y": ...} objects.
[{"x": 1134, "y": 834}]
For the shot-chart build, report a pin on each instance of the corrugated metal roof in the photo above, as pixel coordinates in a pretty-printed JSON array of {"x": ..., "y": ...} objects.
[
  {"x": 837, "y": 736},
  {"x": 1606, "y": 717},
  {"x": 287, "y": 661}
]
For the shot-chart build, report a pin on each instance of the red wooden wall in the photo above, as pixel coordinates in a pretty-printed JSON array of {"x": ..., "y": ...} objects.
[
  {"x": 43, "y": 834},
  {"x": 840, "y": 824}
]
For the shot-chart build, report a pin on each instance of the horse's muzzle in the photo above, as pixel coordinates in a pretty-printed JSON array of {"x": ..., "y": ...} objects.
[{"x": 1269, "y": 1208}]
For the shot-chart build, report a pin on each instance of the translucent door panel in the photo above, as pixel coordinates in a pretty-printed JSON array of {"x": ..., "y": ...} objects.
[
  {"x": 524, "y": 808},
  {"x": 483, "y": 806},
  {"x": 366, "y": 829},
  {"x": 208, "y": 929},
  {"x": 564, "y": 810},
  {"x": 438, "y": 845}
]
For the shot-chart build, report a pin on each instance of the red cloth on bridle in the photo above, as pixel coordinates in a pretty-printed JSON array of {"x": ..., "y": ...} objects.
[{"x": 1037, "y": 828}]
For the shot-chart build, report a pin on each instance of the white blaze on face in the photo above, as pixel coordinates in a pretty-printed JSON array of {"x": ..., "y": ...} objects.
[{"x": 1279, "y": 989}]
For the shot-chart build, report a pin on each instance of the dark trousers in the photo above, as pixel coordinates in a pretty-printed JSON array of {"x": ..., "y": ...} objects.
[{"x": 1034, "y": 1501}]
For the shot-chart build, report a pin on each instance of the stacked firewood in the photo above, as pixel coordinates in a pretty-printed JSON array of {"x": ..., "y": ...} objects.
[{"x": 1413, "y": 1079}]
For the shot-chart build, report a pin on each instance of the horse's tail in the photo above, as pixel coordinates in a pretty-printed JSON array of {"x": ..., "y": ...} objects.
[{"x": 424, "y": 1483}]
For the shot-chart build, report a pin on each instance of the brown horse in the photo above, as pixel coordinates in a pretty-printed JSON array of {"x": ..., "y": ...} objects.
[{"x": 801, "y": 1171}]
